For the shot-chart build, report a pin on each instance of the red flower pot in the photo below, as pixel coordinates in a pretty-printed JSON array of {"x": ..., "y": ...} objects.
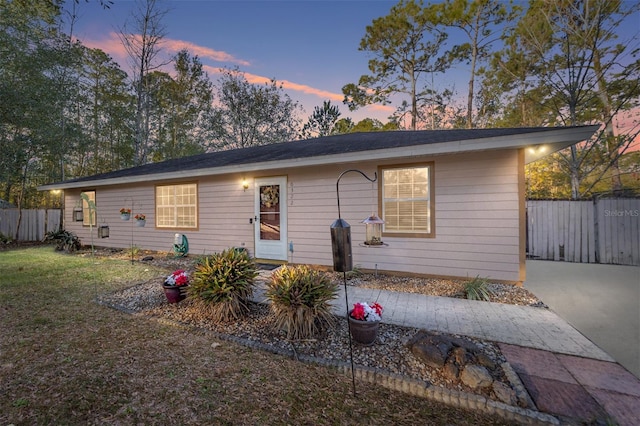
[
  {"x": 364, "y": 332},
  {"x": 174, "y": 293}
]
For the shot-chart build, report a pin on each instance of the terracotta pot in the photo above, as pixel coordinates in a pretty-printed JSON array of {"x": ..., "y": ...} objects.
[
  {"x": 364, "y": 332},
  {"x": 174, "y": 293}
]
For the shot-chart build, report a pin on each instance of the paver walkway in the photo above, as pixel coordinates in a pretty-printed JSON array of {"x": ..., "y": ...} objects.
[
  {"x": 576, "y": 387},
  {"x": 565, "y": 373}
]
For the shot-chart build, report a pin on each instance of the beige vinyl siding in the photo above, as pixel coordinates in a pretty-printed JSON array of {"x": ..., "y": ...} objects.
[
  {"x": 476, "y": 216},
  {"x": 224, "y": 212}
]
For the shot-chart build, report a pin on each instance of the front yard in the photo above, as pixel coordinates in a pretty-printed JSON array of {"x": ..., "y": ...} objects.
[{"x": 66, "y": 359}]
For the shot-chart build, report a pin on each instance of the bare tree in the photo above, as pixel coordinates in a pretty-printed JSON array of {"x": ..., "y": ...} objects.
[
  {"x": 576, "y": 74},
  {"x": 142, "y": 39}
]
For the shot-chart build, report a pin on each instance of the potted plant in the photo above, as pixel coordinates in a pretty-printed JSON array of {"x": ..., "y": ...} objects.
[
  {"x": 364, "y": 320},
  {"x": 175, "y": 286},
  {"x": 125, "y": 213},
  {"x": 141, "y": 219}
]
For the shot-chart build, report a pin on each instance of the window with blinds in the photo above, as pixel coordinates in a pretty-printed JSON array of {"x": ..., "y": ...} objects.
[
  {"x": 177, "y": 206},
  {"x": 406, "y": 200}
]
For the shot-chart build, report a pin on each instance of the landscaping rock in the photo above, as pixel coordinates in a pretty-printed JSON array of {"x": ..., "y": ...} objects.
[
  {"x": 476, "y": 376},
  {"x": 432, "y": 355},
  {"x": 485, "y": 361},
  {"x": 450, "y": 371},
  {"x": 460, "y": 356},
  {"x": 504, "y": 393}
]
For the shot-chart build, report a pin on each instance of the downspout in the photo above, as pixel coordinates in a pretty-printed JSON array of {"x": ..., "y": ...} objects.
[{"x": 522, "y": 219}]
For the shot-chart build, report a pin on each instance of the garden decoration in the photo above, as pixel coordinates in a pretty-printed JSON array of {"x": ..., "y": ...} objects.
[
  {"x": 342, "y": 260},
  {"x": 141, "y": 219},
  {"x": 125, "y": 213},
  {"x": 175, "y": 285},
  {"x": 364, "y": 320},
  {"x": 180, "y": 245}
]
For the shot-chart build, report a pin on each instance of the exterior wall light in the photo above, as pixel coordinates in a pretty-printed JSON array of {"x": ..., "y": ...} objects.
[
  {"x": 245, "y": 184},
  {"x": 103, "y": 231},
  {"x": 78, "y": 215}
]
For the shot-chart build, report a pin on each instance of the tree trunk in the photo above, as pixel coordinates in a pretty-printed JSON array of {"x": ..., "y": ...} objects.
[
  {"x": 609, "y": 136},
  {"x": 575, "y": 174}
]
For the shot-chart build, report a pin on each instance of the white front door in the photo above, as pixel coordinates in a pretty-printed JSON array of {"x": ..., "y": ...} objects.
[{"x": 271, "y": 218}]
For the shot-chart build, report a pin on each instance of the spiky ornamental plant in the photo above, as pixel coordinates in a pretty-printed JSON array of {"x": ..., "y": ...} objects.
[
  {"x": 223, "y": 283},
  {"x": 300, "y": 299},
  {"x": 477, "y": 289}
]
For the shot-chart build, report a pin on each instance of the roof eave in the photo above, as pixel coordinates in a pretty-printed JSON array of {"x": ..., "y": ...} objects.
[{"x": 552, "y": 141}]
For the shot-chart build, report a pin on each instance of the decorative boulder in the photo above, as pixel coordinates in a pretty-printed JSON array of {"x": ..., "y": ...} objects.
[{"x": 476, "y": 376}]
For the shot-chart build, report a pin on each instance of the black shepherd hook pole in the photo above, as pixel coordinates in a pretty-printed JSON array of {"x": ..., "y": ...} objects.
[
  {"x": 344, "y": 267},
  {"x": 375, "y": 177}
]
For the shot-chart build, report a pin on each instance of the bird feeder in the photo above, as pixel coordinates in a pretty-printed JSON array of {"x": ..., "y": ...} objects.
[
  {"x": 373, "y": 228},
  {"x": 341, "y": 245}
]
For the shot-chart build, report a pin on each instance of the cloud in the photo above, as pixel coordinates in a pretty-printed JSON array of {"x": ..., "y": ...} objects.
[
  {"x": 112, "y": 45},
  {"x": 302, "y": 88},
  {"x": 288, "y": 85},
  {"x": 204, "y": 52}
]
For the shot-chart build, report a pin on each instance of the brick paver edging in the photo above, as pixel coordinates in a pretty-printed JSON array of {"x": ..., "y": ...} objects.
[{"x": 389, "y": 380}]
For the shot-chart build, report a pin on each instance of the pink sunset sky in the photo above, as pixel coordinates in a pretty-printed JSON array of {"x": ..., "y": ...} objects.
[{"x": 310, "y": 47}]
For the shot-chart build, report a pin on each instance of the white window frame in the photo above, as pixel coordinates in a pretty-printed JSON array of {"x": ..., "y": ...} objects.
[
  {"x": 171, "y": 208},
  {"x": 420, "y": 227}
]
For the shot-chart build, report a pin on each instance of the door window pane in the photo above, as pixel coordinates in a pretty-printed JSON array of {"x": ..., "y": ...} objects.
[{"x": 270, "y": 212}]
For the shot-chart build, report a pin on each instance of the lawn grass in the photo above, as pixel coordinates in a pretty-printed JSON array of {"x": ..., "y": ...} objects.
[{"x": 66, "y": 360}]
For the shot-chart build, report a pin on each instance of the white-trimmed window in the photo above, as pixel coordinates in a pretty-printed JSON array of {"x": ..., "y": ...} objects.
[
  {"x": 177, "y": 206},
  {"x": 407, "y": 201},
  {"x": 88, "y": 215}
]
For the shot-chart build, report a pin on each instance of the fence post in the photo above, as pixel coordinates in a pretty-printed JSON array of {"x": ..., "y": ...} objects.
[{"x": 596, "y": 227}]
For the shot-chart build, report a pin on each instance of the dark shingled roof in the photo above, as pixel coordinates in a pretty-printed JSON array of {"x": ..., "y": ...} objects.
[{"x": 329, "y": 145}]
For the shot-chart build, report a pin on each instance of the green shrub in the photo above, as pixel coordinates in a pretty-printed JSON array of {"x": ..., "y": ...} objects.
[
  {"x": 355, "y": 272},
  {"x": 477, "y": 289},
  {"x": 4, "y": 239},
  {"x": 64, "y": 240},
  {"x": 300, "y": 299},
  {"x": 223, "y": 283}
]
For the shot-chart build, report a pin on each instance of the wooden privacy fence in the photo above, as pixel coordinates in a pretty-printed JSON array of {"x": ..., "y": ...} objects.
[
  {"x": 600, "y": 231},
  {"x": 33, "y": 225}
]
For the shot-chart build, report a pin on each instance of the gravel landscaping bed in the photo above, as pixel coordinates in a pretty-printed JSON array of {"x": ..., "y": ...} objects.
[
  {"x": 389, "y": 353},
  {"x": 500, "y": 293}
]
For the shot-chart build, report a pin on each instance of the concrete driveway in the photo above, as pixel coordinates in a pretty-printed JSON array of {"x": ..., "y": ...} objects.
[{"x": 600, "y": 301}]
